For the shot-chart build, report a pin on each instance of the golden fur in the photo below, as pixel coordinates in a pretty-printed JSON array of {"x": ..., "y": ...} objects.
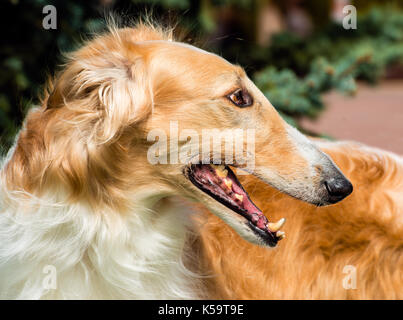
[
  {"x": 91, "y": 128},
  {"x": 79, "y": 193},
  {"x": 82, "y": 129},
  {"x": 365, "y": 231}
]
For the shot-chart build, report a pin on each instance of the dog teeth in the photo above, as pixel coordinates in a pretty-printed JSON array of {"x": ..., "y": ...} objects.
[
  {"x": 228, "y": 183},
  {"x": 239, "y": 197},
  {"x": 276, "y": 226},
  {"x": 220, "y": 170},
  {"x": 280, "y": 234},
  {"x": 222, "y": 174}
]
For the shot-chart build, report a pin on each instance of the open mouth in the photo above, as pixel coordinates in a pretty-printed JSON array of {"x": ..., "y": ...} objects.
[{"x": 219, "y": 182}]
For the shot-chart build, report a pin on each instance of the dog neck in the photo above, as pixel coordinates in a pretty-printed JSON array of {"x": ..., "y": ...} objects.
[{"x": 54, "y": 249}]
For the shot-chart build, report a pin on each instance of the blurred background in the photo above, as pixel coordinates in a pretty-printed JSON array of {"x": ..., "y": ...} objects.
[{"x": 324, "y": 79}]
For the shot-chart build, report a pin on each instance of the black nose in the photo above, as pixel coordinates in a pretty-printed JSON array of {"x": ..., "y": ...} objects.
[{"x": 338, "y": 189}]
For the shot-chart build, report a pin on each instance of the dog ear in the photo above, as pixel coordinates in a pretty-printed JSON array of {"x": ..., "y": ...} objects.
[
  {"x": 111, "y": 88},
  {"x": 125, "y": 99},
  {"x": 103, "y": 88}
]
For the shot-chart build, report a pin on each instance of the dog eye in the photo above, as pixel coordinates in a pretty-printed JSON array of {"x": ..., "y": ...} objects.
[{"x": 241, "y": 98}]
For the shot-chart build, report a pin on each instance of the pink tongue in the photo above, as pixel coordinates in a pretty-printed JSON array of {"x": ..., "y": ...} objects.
[
  {"x": 259, "y": 220},
  {"x": 257, "y": 216},
  {"x": 206, "y": 175}
]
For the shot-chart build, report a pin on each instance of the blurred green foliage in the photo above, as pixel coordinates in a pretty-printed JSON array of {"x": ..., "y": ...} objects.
[
  {"x": 293, "y": 72},
  {"x": 28, "y": 52},
  {"x": 379, "y": 36},
  {"x": 332, "y": 58},
  {"x": 294, "y": 97}
]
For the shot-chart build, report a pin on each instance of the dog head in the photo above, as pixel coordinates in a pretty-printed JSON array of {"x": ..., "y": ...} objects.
[{"x": 132, "y": 110}]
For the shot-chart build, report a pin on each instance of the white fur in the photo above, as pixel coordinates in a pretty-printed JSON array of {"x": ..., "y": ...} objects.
[{"x": 95, "y": 254}]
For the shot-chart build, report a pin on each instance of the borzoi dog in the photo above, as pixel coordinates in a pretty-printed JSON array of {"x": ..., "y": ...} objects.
[{"x": 86, "y": 214}]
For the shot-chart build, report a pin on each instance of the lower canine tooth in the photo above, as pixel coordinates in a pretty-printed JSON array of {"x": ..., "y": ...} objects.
[
  {"x": 239, "y": 197},
  {"x": 280, "y": 234},
  {"x": 277, "y": 225}
]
